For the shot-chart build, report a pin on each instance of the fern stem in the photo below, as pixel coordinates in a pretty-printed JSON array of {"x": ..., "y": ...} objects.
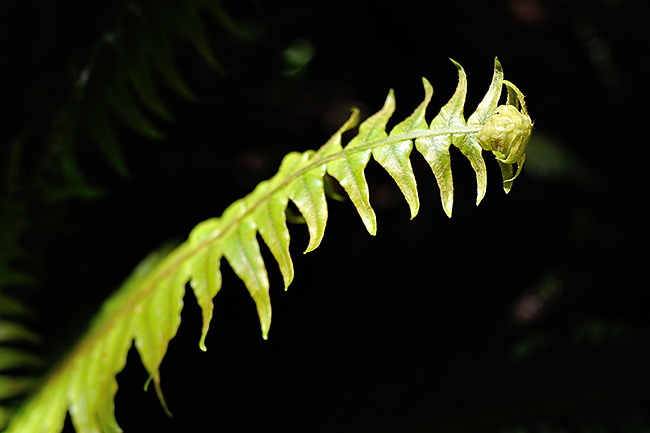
[{"x": 395, "y": 139}]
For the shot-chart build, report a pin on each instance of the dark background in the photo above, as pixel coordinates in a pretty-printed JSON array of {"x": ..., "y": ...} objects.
[{"x": 526, "y": 313}]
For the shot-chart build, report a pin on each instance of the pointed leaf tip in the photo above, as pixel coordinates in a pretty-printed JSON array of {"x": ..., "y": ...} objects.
[
  {"x": 479, "y": 196},
  {"x": 265, "y": 321},
  {"x": 161, "y": 397},
  {"x": 456, "y": 63}
]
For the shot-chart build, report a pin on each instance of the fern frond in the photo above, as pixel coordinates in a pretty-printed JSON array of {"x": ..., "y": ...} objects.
[
  {"x": 123, "y": 69},
  {"x": 18, "y": 361},
  {"x": 146, "y": 310}
]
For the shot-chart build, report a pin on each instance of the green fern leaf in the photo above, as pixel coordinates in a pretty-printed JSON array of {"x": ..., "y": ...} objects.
[
  {"x": 187, "y": 22},
  {"x": 309, "y": 196},
  {"x": 206, "y": 276},
  {"x": 348, "y": 169},
  {"x": 123, "y": 103},
  {"x": 436, "y": 149},
  {"x": 395, "y": 159},
  {"x": 468, "y": 144},
  {"x": 271, "y": 221},
  {"x": 12, "y": 331},
  {"x": 102, "y": 132},
  {"x": 146, "y": 309},
  {"x": 242, "y": 251},
  {"x": 141, "y": 74},
  {"x": 13, "y": 358},
  {"x": 10, "y": 306}
]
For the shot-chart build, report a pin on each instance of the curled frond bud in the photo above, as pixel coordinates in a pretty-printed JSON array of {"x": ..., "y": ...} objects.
[{"x": 506, "y": 134}]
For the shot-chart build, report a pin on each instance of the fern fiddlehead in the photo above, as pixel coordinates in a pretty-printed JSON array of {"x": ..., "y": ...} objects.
[
  {"x": 507, "y": 133},
  {"x": 146, "y": 309}
]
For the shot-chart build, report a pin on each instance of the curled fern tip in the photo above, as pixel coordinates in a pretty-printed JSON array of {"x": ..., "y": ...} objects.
[{"x": 506, "y": 134}]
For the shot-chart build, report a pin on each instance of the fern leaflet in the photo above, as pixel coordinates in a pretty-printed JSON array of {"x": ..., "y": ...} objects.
[{"x": 146, "y": 309}]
